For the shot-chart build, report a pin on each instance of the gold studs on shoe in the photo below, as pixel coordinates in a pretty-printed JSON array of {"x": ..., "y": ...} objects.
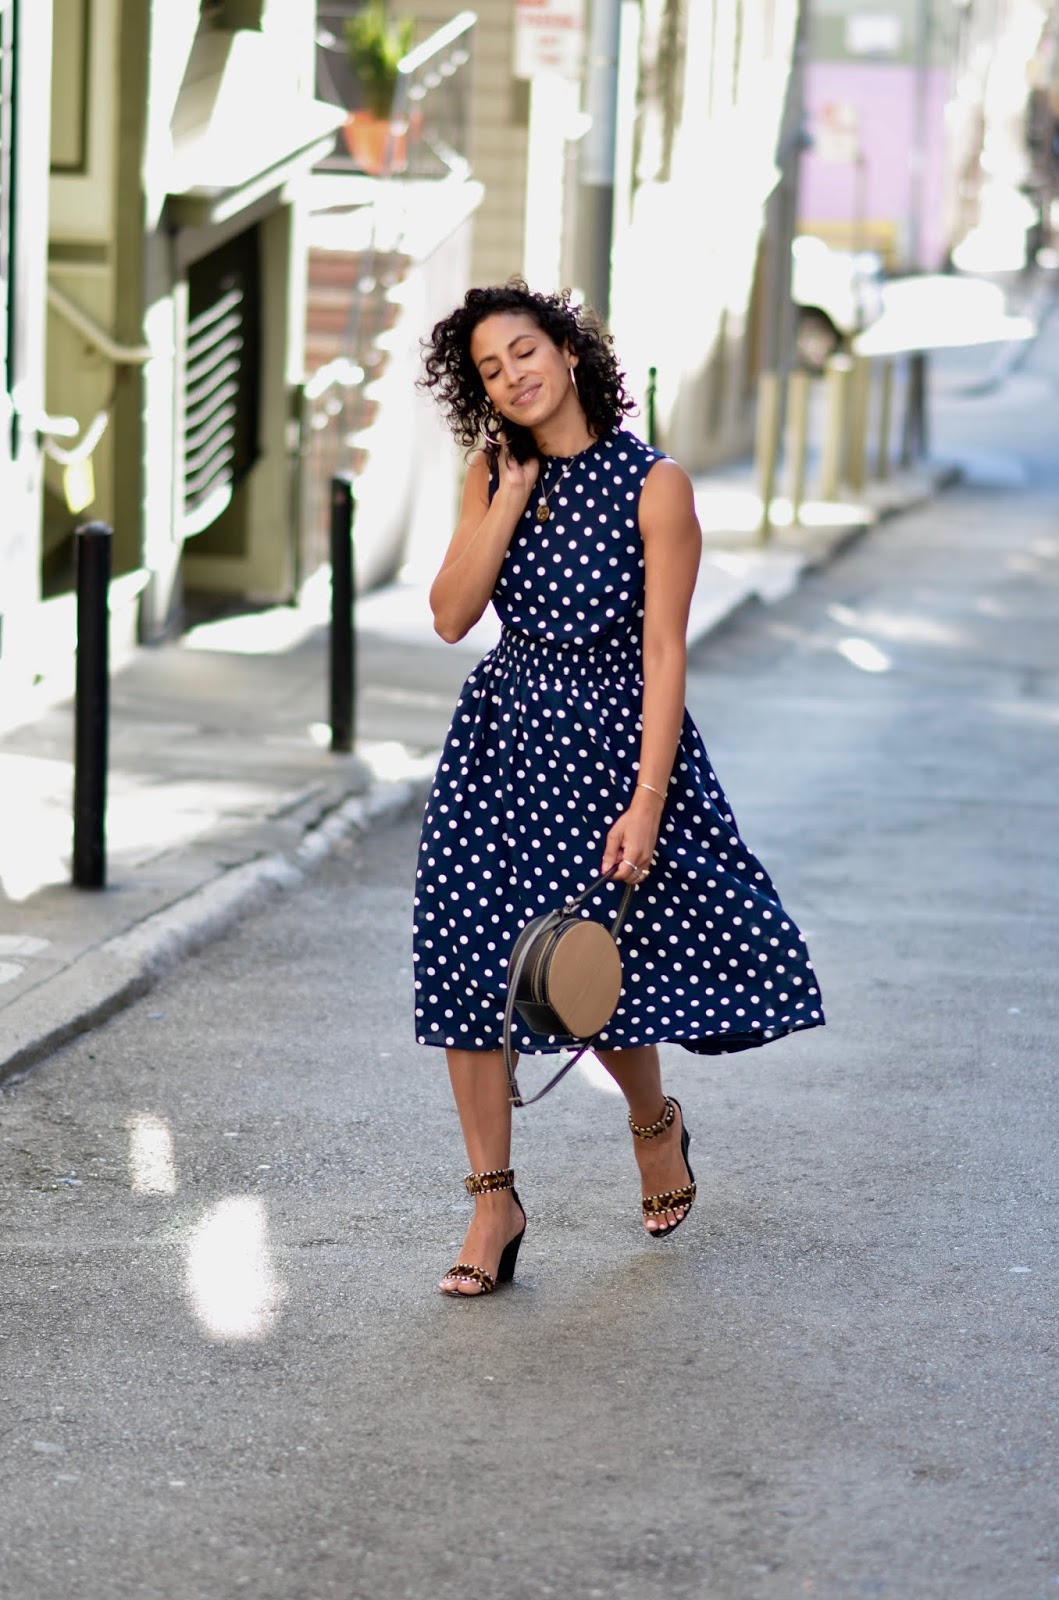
[
  {"x": 470, "y": 1274},
  {"x": 477, "y": 1183},
  {"x": 490, "y": 1182},
  {"x": 653, "y": 1129},
  {"x": 656, "y": 1205}
]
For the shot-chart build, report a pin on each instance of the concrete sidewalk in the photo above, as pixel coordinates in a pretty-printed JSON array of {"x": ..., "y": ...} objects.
[{"x": 223, "y": 788}]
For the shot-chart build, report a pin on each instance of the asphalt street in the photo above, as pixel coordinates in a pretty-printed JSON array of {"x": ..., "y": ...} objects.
[{"x": 224, "y": 1366}]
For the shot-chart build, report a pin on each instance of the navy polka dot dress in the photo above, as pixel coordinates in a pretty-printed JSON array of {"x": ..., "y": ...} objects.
[{"x": 540, "y": 760}]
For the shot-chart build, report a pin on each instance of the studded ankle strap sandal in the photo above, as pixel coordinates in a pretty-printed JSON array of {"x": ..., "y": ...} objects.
[
  {"x": 656, "y": 1205},
  {"x": 494, "y": 1182}
]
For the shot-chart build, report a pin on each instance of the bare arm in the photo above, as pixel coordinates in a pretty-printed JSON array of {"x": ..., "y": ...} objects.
[
  {"x": 672, "y": 551},
  {"x": 461, "y": 590}
]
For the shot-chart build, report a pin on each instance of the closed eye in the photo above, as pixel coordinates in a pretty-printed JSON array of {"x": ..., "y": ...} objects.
[{"x": 489, "y": 373}]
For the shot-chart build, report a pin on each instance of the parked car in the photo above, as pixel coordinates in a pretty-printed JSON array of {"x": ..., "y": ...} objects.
[{"x": 836, "y": 294}]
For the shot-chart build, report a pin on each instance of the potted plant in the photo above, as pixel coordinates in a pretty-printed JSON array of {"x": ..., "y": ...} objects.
[{"x": 375, "y": 46}]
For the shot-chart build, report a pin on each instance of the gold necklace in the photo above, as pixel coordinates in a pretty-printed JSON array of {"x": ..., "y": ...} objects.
[{"x": 543, "y": 512}]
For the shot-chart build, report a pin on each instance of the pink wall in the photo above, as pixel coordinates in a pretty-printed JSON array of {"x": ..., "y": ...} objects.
[{"x": 883, "y": 96}]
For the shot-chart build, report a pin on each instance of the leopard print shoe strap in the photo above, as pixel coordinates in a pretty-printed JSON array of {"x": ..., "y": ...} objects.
[
  {"x": 652, "y": 1129},
  {"x": 490, "y": 1182},
  {"x": 656, "y": 1204},
  {"x": 472, "y": 1274}
]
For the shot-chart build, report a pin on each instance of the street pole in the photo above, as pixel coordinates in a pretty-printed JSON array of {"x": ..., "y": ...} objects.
[
  {"x": 914, "y": 446},
  {"x": 781, "y": 218},
  {"x": 917, "y": 161},
  {"x": 343, "y": 675},
  {"x": 93, "y": 544},
  {"x": 595, "y": 191}
]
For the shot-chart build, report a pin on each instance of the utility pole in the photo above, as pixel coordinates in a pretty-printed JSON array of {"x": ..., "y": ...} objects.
[
  {"x": 595, "y": 189},
  {"x": 915, "y": 442},
  {"x": 917, "y": 162},
  {"x": 781, "y": 220}
]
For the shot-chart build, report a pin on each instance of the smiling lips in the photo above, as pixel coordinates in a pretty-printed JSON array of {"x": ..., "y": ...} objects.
[{"x": 526, "y": 395}]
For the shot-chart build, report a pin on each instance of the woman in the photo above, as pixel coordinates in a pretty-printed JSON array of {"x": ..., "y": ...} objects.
[{"x": 571, "y": 753}]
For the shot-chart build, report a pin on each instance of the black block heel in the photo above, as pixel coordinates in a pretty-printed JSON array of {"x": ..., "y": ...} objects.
[{"x": 506, "y": 1270}]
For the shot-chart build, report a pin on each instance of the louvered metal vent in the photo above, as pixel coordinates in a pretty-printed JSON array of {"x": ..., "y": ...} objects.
[
  {"x": 215, "y": 346},
  {"x": 221, "y": 379}
]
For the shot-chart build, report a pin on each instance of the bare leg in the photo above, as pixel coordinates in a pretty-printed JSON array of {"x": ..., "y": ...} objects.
[
  {"x": 479, "y": 1087},
  {"x": 638, "y": 1075}
]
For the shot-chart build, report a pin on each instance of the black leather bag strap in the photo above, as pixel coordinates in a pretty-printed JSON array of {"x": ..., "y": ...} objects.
[
  {"x": 586, "y": 894},
  {"x": 512, "y": 989},
  {"x": 509, "y": 1055}
]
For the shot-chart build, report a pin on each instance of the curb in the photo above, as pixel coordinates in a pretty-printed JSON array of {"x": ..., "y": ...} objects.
[{"x": 106, "y": 980}]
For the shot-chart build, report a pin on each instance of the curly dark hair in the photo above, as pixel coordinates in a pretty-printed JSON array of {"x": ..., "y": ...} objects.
[{"x": 454, "y": 380}]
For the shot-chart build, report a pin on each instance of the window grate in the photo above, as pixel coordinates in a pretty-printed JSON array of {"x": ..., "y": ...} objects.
[
  {"x": 211, "y": 399},
  {"x": 220, "y": 378}
]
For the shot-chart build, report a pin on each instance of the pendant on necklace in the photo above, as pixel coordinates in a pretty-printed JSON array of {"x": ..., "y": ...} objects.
[{"x": 542, "y": 513}]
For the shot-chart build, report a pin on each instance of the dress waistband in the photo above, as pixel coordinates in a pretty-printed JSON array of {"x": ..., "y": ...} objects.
[{"x": 616, "y": 649}]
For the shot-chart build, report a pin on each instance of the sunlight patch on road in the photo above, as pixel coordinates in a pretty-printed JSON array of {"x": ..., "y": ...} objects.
[
  {"x": 388, "y": 760},
  {"x": 863, "y": 654},
  {"x": 233, "y": 1291},
  {"x": 258, "y": 633},
  {"x": 1043, "y": 712},
  {"x": 595, "y": 1073},
  {"x": 393, "y": 762},
  {"x": 35, "y": 827},
  {"x": 274, "y": 630},
  {"x": 904, "y": 628},
  {"x": 152, "y": 1167}
]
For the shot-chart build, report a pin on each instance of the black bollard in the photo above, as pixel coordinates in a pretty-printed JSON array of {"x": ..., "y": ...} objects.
[
  {"x": 343, "y": 666},
  {"x": 915, "y": 443},
  {"x": 92, "y": 705},
  {"x": 652, "y": 402}
]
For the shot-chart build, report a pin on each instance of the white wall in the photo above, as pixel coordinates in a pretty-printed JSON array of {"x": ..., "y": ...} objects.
[
  {"x": 20, "y": 473},
  {"x": 684, "y": 265}
]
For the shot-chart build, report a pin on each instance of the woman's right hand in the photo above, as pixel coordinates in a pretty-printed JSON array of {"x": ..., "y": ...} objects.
[
  {"x": 463, "y": 587},
  {"x": 516, "y": 477}
]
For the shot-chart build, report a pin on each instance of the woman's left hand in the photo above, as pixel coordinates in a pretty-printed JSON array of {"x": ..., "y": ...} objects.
[{"x": 630, "y": 844}]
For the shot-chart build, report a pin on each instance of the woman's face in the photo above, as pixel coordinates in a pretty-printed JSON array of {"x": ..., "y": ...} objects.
[{"x": 525, "y": 375}]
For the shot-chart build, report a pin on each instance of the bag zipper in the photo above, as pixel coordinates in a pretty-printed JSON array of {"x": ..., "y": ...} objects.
[{"x": 536, "y": 979}]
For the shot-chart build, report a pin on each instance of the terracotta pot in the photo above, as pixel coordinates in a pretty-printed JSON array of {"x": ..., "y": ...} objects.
[{"x": 370, "y": 139}]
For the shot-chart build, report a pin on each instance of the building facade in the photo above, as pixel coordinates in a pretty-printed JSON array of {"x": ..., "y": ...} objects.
[
  {"x": 176, "y": 220},
  {"x": 25, "y": 57},
  {"x": 154, "y": 160}
]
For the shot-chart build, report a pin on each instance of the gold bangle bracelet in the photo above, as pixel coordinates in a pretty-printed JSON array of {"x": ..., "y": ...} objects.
[{"x": 642, "y": 785}]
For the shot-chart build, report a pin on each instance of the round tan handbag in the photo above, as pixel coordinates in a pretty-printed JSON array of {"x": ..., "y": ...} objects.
[{"x": 564, "y": 979}]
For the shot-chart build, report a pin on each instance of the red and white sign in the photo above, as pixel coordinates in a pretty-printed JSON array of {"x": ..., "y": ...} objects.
[{"x": 549, "y": 37}]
